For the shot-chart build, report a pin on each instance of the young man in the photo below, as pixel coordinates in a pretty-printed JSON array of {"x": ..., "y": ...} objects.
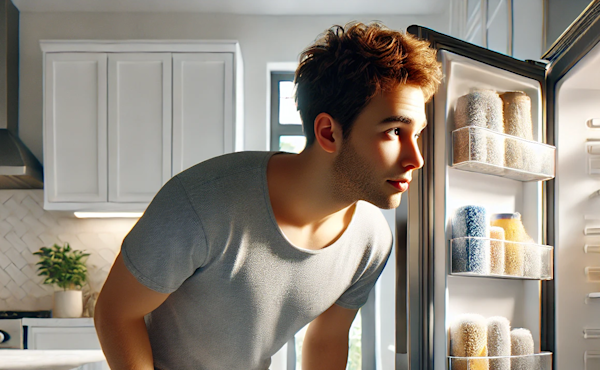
[{"x": 236, "y": 254}]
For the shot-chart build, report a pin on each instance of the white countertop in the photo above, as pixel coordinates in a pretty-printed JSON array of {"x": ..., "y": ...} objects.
[
  {"x": 13, "y": 359},
  {"x": 80, "y": 321}
]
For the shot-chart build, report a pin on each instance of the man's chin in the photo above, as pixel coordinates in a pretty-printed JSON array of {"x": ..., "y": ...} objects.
[{"x": 389, "y": 203}]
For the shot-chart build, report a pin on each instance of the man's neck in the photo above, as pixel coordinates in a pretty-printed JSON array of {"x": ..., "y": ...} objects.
[{"x": 304, "y": 207}]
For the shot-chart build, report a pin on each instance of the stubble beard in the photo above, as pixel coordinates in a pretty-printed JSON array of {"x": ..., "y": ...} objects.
[{"x": 354, "y": 179}]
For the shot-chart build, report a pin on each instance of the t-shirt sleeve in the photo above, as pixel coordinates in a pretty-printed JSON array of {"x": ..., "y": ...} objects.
[
  {"x": 358, "y": 293},
  {"x": 167, "y": 244}
]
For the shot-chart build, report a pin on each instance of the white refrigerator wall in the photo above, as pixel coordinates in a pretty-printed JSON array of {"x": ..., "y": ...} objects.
[
  {"x": 517, "y": 300},
  {"x": 578, "y": 100}
]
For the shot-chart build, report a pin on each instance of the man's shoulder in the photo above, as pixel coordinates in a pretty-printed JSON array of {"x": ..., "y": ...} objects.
[
  {"x": 223, "y": 166},
  {"x": 371, "y": 222},
  {"x": 369, "y": 213}
]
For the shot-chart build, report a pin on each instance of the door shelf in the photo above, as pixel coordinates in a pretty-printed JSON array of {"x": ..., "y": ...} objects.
[
  {"x": 538, "y": 361},
  {"x": 485, "y": 257},
  {"x": 478, "y": 149}
]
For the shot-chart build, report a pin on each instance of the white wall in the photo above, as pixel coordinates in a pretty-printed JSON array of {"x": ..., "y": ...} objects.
[{"x": 263, "y": 39}]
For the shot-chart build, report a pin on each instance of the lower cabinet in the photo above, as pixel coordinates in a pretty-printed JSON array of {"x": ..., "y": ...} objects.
[{"x": 65, "y": 334}]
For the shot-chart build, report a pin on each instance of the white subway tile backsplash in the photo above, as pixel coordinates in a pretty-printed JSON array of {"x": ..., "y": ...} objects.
[
  {"x": 73, "y": 240},
  {"x": 14, "y": 240},
  {"x": 33, "y": 225},
  {"x": 28, "y": 287},
  {"x": 16, "y": 209},
  {"x": 30, "y": 258},
  {"x": 16, "y": 291},
  {"x": 14, "y": 303},
  {"x": 17, "y": 225},
  {"x": 4, "y": 228},
  {"x": 31, "y": 270},
  {"x": 33, "y": 242},
  {"x": 4, "y": 244},
  {"x": 16, "y": 258},
  {"x": 34, "y": 290},
  {"x": 29, "y": 301},
  {"x": 4, "y": 213},
  {"x": 107, "y": 239},
  {"x": 5, "y": 293},
  {"x": 48, "y": 220},
  {"x": 4, "y": 278},
  {"x": 4, "y": 196},
  {"x": 48, "y": 239},
  {"x": 16, "y": 275},
  {"x": 108, "y": 255},
  {"x": 34, "y": 208},
  {"x": 4, "y": 260},
  {"x": 25, "y": 227}
]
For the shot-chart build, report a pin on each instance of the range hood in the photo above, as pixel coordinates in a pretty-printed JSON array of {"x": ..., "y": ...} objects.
[{"x": 19, "y": 169}]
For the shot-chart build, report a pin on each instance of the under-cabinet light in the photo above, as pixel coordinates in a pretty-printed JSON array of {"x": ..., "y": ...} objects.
[{"x": 108, "y": 214}]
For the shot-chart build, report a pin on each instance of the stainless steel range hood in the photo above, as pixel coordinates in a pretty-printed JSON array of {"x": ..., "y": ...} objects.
[{"x": 19, "y": 169}]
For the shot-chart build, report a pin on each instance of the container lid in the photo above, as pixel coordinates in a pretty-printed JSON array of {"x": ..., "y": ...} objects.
[{"x": 506, "y": 216}]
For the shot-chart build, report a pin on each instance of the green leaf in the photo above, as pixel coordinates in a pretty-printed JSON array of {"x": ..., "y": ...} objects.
[{"x": 62, "y": 265}]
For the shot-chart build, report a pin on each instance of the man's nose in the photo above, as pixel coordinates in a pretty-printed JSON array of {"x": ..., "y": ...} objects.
[{"x": 411, "y": 156}]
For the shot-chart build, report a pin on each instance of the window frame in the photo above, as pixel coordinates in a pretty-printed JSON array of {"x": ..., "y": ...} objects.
[{"x": 277, "y": 129}]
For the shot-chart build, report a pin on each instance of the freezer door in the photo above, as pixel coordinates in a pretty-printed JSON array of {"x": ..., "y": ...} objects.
[
  {"x": 573, "y": 92},
  {"x": 428, "y": 297}
]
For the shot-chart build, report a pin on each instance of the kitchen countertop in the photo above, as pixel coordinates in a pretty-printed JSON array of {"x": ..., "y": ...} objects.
[
  {"x": 80, "y": 321},
  {"x": 13, "y": 359}
]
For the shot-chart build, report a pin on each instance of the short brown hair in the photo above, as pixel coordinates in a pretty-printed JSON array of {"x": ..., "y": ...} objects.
[{"x": 347, "y": 66}]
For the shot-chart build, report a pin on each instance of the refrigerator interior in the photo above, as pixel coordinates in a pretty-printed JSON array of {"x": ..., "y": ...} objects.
[
  {"x": 517, "y": 299},
  {"x": 578, "y": 210}
]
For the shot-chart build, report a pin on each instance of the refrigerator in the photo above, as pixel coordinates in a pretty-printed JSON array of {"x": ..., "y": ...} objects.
[{"x": 555, "y": 189}]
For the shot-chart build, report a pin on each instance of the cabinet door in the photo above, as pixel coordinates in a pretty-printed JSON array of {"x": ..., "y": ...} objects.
[
  {"x": 75, "y": 162},
  {"x": 139, "y": 125},
  {"x": 202, "y": 107},
  {"x": 63, "y": 338}
]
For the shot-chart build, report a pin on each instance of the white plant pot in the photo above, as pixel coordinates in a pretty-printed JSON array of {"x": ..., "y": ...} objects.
[{"x": 67, "y": 303}]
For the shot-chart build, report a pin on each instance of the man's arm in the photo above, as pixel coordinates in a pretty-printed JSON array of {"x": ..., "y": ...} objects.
[
  {"x": 326, "y": 342},
  {"x": 119, "y": 319}
]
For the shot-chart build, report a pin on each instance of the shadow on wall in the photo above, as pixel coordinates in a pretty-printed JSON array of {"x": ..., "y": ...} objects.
[{"x": 25, "y": 227}]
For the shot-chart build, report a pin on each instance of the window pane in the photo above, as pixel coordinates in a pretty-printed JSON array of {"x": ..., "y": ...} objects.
[
  {"x": 288, "y": 115},
  {"x": 292, "y": 144},
  {"x": 299, "y": 341},
  {"x": 355, "y": 348},
  {"x": 354, "y": 345}
]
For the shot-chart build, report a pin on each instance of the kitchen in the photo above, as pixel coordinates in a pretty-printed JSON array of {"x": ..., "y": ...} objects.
[{"x": 26, "y": 225}]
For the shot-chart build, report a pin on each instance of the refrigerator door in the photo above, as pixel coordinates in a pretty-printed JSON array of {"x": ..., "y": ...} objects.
[
  {"x": 573, "y": 93},
  {"x": 440, "y": 295}
]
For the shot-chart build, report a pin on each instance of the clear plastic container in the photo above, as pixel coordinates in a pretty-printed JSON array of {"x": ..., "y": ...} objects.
[
  {"x": 478, "y": 149},
  {"x": 521, "y": 260},
  {"x": 591, "y": 333},
  {"x": 593, "y": 274},
  {"x": 592, "y": 360},
  {"x": 538, "y": 361}
]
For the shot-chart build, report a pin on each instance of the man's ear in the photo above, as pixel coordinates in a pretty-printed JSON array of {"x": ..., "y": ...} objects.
[{"x": 327, "y": 132}]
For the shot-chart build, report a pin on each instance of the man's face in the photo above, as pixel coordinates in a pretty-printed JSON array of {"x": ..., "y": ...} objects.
[{"x": 376, "y": 161}]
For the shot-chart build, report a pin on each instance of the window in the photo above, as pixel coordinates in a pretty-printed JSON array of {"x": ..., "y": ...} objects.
[{"x": 286, "y": 126}]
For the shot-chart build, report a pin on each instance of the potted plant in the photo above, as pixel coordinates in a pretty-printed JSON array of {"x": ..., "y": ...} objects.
[{"x": 65, "y": 268}]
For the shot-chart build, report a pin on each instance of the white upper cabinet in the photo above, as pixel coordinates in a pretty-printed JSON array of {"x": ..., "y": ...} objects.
[
  {"x": 139, "y": 130},
  {"x": 122, "y": 118},
  {"x": 75, "y": 136},
  {"x": 202, "y": 101}
]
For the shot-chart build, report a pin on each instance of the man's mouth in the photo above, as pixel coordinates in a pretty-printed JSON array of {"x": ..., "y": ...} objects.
[{"x": 401, "y": 185}]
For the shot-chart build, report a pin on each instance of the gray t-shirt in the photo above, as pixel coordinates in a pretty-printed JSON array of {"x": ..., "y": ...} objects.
[{"x": 239, "y": 289}]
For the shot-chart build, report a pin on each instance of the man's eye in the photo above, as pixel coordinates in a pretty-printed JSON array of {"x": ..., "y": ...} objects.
[{"x": 394, "y": 131}]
